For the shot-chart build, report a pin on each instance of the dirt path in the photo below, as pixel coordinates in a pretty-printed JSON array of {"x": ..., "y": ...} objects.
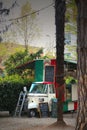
[{"x": 25, "y": 123}]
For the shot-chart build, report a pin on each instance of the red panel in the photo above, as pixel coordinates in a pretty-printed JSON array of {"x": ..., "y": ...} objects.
[
  {"x": 53, "y": 62},
  {"x": 75, "y": 105}
]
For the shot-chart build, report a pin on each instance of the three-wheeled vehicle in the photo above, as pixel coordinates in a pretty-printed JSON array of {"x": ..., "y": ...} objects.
[{"x": 39, "y": 92}]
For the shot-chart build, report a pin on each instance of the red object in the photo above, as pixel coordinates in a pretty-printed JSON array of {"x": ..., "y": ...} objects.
[
  {"x": 53, "y": 62},
  {"x": 75, "y": 105},
  {"x": 45, "y": 82}
]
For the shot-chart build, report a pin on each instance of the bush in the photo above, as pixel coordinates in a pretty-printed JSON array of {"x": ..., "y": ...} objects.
[
  {"x": 70, "y": 80},
  {"x": 10, "y": 87}
]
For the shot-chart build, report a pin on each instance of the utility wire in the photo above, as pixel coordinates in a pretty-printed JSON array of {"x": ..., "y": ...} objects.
[
  {"x": 37, "y": 11},
  {"x": 11, "y": 20}
]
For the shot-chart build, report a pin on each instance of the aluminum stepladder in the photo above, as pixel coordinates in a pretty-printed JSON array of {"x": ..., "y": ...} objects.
[{"x": 20, "y": 104}]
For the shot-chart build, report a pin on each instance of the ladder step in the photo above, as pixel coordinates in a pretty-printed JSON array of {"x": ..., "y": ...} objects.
[{"x": 20, "y": 104}]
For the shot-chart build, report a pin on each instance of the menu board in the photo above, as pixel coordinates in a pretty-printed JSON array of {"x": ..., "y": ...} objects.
[
  {"x": 44, "y": 109},
  {"x": 49, "y": 73}
]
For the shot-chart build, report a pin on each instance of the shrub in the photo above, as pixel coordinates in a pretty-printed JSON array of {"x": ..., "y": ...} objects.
[{"x": 10, "y": 87}]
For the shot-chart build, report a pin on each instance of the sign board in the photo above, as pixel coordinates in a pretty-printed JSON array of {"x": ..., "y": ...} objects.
[
  {"x": 49, "y": 73},
  {"x": 44, "y": 109}
]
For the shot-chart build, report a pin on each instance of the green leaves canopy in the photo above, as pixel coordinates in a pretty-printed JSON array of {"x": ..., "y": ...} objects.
[{"x": 20, "y": 58}]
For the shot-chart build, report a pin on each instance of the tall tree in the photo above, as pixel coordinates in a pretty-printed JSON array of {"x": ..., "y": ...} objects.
[
  {"x": 60, "y": 19},
  {"x": 82, "y": 64},
  {"x": 26, "y": 25}
]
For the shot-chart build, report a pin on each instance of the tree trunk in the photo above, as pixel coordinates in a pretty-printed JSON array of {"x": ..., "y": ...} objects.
[
  {"x": 82, "y": 64},
  {"x": 60, "y": 19}
]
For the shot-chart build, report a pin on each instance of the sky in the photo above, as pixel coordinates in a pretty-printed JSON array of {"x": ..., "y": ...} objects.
[{"x": 45, "y": 20}]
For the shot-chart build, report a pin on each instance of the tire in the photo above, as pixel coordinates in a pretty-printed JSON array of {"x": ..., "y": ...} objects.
[{"x": 32, "y": 113}]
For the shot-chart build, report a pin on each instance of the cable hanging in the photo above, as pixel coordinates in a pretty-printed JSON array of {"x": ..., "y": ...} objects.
[
  {"x": 18, "y": 18},
  {"x": 37, "y": 11}
]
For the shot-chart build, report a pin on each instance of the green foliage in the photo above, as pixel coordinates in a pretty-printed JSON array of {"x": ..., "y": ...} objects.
[
  {"x": 70, "y": 80},
  {"x": 71, "y": 16},
  {"x": 19, "y": 58},
  {"x": 36, "y": 55},
  {"x": 7, "y": 49},
  {"x": 71, "y": 11},
  {"x": 10, "y": 87},
  {"x": 14, "y": 60}
]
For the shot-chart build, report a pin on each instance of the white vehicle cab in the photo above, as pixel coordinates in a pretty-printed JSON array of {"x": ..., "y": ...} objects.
[{"x": 40, "y": 92}]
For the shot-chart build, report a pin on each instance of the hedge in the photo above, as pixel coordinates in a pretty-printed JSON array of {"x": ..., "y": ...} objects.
[{"x": 10, "y": 87}]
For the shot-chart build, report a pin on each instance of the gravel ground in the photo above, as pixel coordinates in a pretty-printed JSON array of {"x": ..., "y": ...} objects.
[{"x": 25, "y": 123}]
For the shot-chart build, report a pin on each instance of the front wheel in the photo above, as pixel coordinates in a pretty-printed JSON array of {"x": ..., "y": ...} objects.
[{"x": 32, "y": 113}]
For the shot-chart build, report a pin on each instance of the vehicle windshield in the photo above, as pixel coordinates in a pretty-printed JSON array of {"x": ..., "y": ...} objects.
[{"x": 38, "y": 88}]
